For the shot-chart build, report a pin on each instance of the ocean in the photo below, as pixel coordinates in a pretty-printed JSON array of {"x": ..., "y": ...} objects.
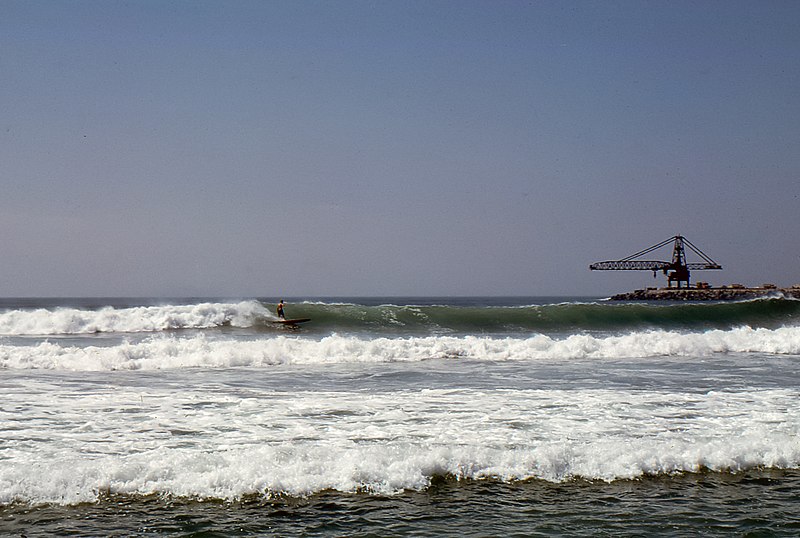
[{"x": 391, "y": 416}]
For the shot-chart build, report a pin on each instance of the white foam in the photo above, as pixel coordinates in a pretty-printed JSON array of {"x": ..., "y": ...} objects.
[
  {"x": 63, "y": 321},
  {"x": 169, "y": 352},
  {"x": 206, "y": 444}
]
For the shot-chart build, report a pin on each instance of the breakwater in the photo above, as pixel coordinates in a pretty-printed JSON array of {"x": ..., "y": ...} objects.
[{"x": 707, "y": 294}]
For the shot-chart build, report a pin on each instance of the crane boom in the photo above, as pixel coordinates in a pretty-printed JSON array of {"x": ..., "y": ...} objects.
[
  {"x": 636, "y": 265},
  {"x": 627, "y": 265}
]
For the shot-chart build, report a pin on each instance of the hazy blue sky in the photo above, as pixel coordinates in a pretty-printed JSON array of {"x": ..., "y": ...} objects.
[{"x": 392, "y": 148}]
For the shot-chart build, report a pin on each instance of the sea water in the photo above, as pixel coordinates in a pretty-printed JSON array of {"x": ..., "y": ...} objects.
[{"x": 399, "y": 416}]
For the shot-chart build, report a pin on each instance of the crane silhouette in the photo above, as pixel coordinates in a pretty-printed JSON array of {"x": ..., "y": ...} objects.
[{"x": 677, "y": 270}]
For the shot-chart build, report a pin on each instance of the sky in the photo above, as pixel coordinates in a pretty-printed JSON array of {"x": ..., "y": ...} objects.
[{"x": 406, "y": 148}]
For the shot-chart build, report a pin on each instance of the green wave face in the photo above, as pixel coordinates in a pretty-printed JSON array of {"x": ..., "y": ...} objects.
[{"x": 556, "y": 318}]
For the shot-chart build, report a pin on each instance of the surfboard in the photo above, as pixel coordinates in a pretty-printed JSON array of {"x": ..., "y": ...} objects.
[{"x": 291, "y": 321}]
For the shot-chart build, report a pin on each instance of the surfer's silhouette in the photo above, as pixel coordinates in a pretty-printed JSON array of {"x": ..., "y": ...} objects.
[{"x": 280, "y": 310}]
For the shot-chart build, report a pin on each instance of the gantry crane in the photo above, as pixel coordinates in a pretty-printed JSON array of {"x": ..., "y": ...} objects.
[{"x": 677, "y": 270}]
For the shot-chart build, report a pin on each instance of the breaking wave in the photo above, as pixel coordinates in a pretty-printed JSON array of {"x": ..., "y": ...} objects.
[
  {"x": 170, "y": 352},
  {"x": 72, "y": 321},
  {"x": 410, "y": 319}
]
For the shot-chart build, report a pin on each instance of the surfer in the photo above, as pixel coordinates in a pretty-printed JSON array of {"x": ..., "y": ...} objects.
[{"x": 280, "y": 310}]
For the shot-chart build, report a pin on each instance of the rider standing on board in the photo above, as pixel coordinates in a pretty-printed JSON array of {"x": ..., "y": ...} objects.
[{"x": 280, "y": 310}]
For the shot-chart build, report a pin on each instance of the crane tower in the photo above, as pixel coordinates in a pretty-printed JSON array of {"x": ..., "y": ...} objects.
[{"x": 677, "y": 270}]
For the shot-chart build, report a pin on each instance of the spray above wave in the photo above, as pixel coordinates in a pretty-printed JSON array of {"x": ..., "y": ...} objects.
[
  {"x": 72, "y": 321},
  {"x": 163, "y": 352}
]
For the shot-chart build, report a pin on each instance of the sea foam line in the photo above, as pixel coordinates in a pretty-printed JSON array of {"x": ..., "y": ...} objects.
[{"x": 169, "y": 352}]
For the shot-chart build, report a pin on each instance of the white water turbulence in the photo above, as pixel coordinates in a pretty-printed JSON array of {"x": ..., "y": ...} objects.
[
  {"x": 171, "y": 352},
  {"x": 217, "y": 443},
  {"x": 74, "y": 321}
]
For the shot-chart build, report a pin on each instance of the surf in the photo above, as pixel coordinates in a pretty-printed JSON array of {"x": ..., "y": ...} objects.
[
  {"x": 403, "y": 319},
  {"x": 108, "y": 319},
  {"x": 165, "y": 352},
  {"x": 211, "y": 445}
]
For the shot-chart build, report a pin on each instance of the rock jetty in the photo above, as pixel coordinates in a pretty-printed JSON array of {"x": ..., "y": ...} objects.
[{"x": 723, "y": 293}]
